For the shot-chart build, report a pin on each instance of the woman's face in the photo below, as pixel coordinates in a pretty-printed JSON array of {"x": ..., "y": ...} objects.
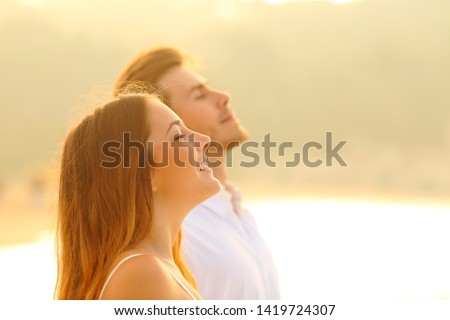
[{"x": 178, "y": 158}]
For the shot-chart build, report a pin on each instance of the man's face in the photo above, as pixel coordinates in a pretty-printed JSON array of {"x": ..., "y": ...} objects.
[{"x": 202, "y": 108}]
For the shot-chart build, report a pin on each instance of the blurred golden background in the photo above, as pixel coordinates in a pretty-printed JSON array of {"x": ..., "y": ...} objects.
[{"x": 374, "y": 72}]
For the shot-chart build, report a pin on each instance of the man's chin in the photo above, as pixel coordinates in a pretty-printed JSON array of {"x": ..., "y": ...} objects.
[
  {"x": 239, "y": 138},
  {"x": 244, "y": 136}
]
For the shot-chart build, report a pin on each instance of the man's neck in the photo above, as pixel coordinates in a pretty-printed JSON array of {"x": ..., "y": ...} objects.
[{"x": 220, "y": 171}]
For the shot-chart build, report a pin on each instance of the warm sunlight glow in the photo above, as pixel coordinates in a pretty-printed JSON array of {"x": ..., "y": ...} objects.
[
  {"x": 226, "y": 10},
  {"x": 341, "y": 1},
  {"x": 33, "y": 3},
  {"x": 45, "y": 3},
  {"x": 287, "y": 1}
]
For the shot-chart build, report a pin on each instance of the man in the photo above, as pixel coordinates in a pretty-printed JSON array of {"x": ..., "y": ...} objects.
[{"x": 223, "y": 247}]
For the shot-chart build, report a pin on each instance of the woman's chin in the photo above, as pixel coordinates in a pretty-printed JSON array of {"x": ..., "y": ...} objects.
[{"x": 210, "y": 189}]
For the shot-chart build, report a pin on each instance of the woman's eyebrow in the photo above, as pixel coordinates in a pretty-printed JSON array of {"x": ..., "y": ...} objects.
[{"x": 176, "y": 122}]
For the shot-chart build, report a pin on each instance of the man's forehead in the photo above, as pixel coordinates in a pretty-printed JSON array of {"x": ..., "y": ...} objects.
[
  {"x": 183, "y": 76},
  {"x": 190, "y": 77}
]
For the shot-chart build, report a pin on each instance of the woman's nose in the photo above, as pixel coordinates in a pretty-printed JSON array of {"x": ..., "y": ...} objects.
[{"x": 203, "y": 139}]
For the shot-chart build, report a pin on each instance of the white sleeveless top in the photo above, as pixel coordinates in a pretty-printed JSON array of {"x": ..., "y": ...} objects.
[{"x": 135, "y": 255}]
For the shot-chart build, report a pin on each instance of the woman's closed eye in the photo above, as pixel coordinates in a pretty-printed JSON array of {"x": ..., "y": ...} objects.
[{"x": 178, "y": 136}]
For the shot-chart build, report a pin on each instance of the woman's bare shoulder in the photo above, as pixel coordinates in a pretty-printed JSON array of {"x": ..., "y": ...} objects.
[{"x": 141, "y": 277}]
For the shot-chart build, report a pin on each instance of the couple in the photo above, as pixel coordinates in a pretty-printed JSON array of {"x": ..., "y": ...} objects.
[{"x": 119, "y": 229}]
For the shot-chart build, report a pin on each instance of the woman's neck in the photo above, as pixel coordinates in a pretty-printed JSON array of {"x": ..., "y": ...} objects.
[{"x": 166, "y": 223}]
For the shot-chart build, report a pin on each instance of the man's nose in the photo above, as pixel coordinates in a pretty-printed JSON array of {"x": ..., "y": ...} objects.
[{"x": 222, "y": 99}]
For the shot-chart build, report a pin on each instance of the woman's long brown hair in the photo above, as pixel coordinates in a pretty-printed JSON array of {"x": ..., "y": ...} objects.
[{"x": 103, "y": 211}]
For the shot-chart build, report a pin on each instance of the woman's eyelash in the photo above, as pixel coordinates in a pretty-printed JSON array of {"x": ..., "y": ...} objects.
[{"x": 178, "y": 136}]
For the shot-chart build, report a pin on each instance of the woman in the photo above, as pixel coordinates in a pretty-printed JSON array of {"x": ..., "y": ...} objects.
[{"x": 118, "y": 217}]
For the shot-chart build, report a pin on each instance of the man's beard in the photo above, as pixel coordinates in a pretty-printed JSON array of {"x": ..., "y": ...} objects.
[{"x": 236, "y": 141}]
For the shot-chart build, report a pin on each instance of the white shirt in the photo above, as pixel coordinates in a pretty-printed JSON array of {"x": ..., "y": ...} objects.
[{"x": 226, "y": 253}]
